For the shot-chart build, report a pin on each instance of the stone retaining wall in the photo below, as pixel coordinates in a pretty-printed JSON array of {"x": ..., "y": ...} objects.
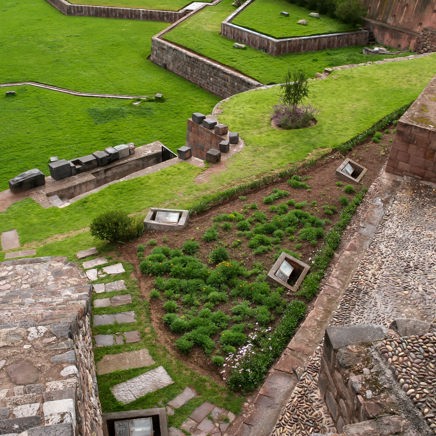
[
  {"x": 210, "y": 75},
  {"x": 47, "y": 375},
  {"x": 358, "y": 385},
  {"x": 399, "y": 23},
  {"x": 276, "y": 47},
  {"x": 413, "y": 152},
  {"x": 201, "y": 139},
  {"x": 114, "y": 12}
]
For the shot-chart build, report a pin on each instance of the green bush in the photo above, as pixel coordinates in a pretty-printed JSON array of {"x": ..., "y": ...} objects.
[
  {"x": 140, "y": 250},
  {"x": 154, "y": 294},
  {"x": 243, "y": 225},
  {"x": 275, "y": 195},
  {"x": 296, "y": 183},
  {"x": 311, "y": 234},
  {"x": 190, "y": 247},
  {"x": 258, "y": 240},
  {"x": 179, "y": 325},
  {"x": 218, "y": 255},
  {"x": 184, "y": 344},
  {"x": 210, "y": 235},
  {"x": 218, "y": 360},
  {"x": 116, "y": 226},
  {"x": 232, "y": 337},
  {"x": 377, "y": 137},
  {"x": 261, "y": 250},
  {"x": 344, "y": 201},
  {"x": 170, "y": 306},
  {"x": 349, "y": 189},
  {"x": 329, "y": 209}
]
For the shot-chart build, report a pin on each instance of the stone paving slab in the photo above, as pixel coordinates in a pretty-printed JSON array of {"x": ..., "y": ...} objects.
[
  {"x": 115, "y": 318},
  {"x": 181, "y": 399},
  {"x": 86, "y": 253},
  {"x": 92, "y": 274},
  {"x": 102, "y": 302},
  {"x": 117, "y": 339},
  {"x": 104, "y": 340},
  {"x": 10, "y": 240},
  {"x": 99, "y": 288},
  {"x": 132, "y": 336},
  {"x": 117, "y": 268},
  {"x": 141, "y": 385},
  {"x": 123, "y": 361},
  {"x": 23, "y": 253},
  {"x": 118, "y": 285},
  {"x": 202, "y": 411},
  {"x": 118, "y": 300},
  {"x": 94, "y": 262}
]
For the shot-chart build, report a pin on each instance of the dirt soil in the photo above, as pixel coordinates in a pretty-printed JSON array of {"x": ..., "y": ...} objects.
[{"x": 322, "y": 179}]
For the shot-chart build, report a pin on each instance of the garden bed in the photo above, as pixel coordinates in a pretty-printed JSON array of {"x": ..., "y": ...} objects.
[{"x": 228, "y": 251}]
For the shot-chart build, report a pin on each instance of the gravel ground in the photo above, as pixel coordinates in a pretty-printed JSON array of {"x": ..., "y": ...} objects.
[{"x": 395, "y": 279}]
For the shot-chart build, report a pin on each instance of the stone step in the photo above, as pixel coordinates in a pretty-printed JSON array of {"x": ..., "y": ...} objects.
[
  {"x": 83, "y": 254},
  {"x": 118, "y": 285},
  {"x": 122, "y": 361},
  {"x": 94, "y": 262},
  {"x": 10, "y": 240},
  {"x": 115, "y": 318},
  {"x": 117, "y": 339},
  {"x": 117, "y": 300}
]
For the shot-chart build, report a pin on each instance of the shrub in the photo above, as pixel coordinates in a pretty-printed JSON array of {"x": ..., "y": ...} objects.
[
  {"x": 218, "y": 255},
  {"x": 232, "y": 337},
  {"x": 275, "y": 195},
  {"x": 280, "y": 209},
  {"x": 170, "y": 306},
  {"x": 190, "y": 247},
  {"x": 262, "y": 315},
  {"x": 329, "y": 209},
  {"x": 261, "y": 250},
  {"x": 349, "y": 189},
  {"x": 260, "y": 217},
  {"x": 300, "y": 205},
  {"x": 210, "y": 235},
  {"x": 217, "y": 297},
  {"x": 377, "y": 137},
  {"x": 258, "y": 240},
  {"x": 140, "y": 249},
  {"x": 296, "y": 183},
  {"x": 343, "y": 200},
  {"x": 154, "y": 294},
  {"x": 236, "y": 243},
  {"x": 152, "y": 242},
  {"x": 185, "y": 344},
  {"x": 179, "y": 325},
  {"x": 116, "y": 226},
  {"x": 311, "y": 234},
  {"x": 226, "y": 227},
  {"x": 218, "y": 360},
  {"x": 243, "y": 225}
]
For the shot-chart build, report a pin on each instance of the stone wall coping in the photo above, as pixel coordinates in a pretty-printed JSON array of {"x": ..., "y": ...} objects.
[{"x": 340, "y": 337}]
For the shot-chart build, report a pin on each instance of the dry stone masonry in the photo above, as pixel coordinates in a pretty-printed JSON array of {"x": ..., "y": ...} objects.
[{"x": 47, "y": 374}]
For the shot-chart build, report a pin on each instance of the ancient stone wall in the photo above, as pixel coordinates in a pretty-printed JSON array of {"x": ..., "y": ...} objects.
[
  {"x": 210, "y": 75},
  {"x": 281, "y": 46},
  {"x": 201, "y": 139},
  {"x": 361, "y": 386},
  {"x": 413, "y": 152},
  {"x": 115, "y": 12},
  {"x": 399, "y": 23},
  {"x": 47, "y": 376}
]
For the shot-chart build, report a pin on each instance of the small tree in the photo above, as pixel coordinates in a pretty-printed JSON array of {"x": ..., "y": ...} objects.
[
  {"x": 294, "y": 89},
  {"x": 116, "y": 226}
]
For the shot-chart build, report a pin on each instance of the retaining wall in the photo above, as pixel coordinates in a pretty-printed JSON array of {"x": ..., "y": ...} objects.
[
  {"x": 276, "y": 47},
  {"x": 399, "y": 23},
  {"x": 114, "y": 12},
  {"x": 201, "y": 139},
  {"x": 413, "y": 152},
  {"x": 211, "y": 76}
]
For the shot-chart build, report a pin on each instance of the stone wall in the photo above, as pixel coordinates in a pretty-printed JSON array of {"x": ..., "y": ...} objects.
[
  {"x": 413, "y": 152},
  {"x": 282, "y": 46},
  {"x": 399, "y": 23},
  {"x": 114, "y": 12},
  {"x": 210, "y": 75},
  {"x": 359, "y": 385},
  {"x": 47, "y": 377},
  {"x": 201, "y": 139}
]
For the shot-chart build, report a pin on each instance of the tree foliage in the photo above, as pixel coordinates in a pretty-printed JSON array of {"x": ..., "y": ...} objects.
[
  {"x": 116, "y": 226},
  {"x": 294, "y": 89}
]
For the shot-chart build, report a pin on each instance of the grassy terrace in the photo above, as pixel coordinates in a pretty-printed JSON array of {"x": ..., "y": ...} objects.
[
  {"x": 200, "y": 33},
  {"x": 264, "y": 17},
  {"x": 163, "y": 5}
]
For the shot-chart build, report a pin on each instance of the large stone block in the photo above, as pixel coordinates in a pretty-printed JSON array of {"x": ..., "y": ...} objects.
[
  {"x": 221, "y": 129},
  {"x": 123, "y": 150},
  {"x": 27, "y": 180},
  {"x": 213, "y": 155},
  {"x": 224, "y": 146},
  {"x": 60, "y": 169},
  {"x": 198, "y": 117},
  {"x": 233, "y": 137},
  {"x": 184, "y": 152},
  {"x": 340, "y": 337},
  {"x": 113, "y": 154},
  {"x": 102, "y": 158},
  {"x": 209, "y": 123},
  {"x": 84, "y": 163}
]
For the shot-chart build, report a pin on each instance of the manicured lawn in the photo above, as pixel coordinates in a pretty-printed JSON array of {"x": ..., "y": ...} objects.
[
  {"x": 200, "y": 33},
  {"x": 377, "y": 91},
  {"x": 164, "y": 5},
  {"x": 264, "y": 16}
]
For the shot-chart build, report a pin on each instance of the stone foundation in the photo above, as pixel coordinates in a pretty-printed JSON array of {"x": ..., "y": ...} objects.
[
  {"x": 47, "y": 375},
  {"x": 413, "y": 152}
]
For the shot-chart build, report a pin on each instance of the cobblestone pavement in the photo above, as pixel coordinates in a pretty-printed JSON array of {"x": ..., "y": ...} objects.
[{"x": 395, "y": 279}]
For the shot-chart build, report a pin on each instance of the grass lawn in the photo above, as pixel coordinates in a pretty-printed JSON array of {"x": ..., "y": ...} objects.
[
  {"x": 264, "y": 16},
  {"x": 200, "y": 33},
  {"x": 163, "y": 5},
  {"x": 377, "y": 91}
]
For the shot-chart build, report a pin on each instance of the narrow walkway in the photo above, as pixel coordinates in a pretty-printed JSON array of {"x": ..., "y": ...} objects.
[{"x": 71, "y": 92}]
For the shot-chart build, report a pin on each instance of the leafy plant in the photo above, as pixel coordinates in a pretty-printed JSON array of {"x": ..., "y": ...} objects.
[
  {"x": 275, "y": 195},
  {"x": 218, "y": 255},
  {"x": 210, "y": 235},
  {"x": 297, "y": 183},
  {"x": 190, "y": 247},
  {"x": 116, "y": 226},
  {"x": 349, "y": 189}
]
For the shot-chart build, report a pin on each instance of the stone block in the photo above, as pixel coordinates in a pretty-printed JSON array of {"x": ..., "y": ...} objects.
[
  {"x": 114, "y": 269},
  {"x": 85, "y": 163},
  {"x": 120, "y": 300},
  {"x": 124, "y": 317},
  {"x": 86, "y": 253},
  {"x": 213, "y": 155},
  {"x": 233, "y": 137},
  {"x": 102, "y": 157},
  {"x": 410, "y": 327},
  {"x": 198, "y": 117},
  {"x": 181, "y": 399},
  {"x": 27, "y": 180},
  {"x": 209, "y": 123},
  {"x": 332, "y": 405},
  {"x": 123, "y": 150},
  {"x": 118, "y": 285},
  {"x": 224, "y": 146},
  {"x": 202, "y": 411},
  {"x": 132, "y": 336},
  {"x": 239, "y": 46},
  {"x": 340, "y": 337},
  {"x": 67, "y": 357},
  {"x": 59, "y": 412},
  {"x": 184, "y": 152},
  {"x": 220, "y": 129},
  {"x": 60, "y": 169},
  {"x": 113, "y": 154},
  {"x": 284, "y": 13},
  {"x": 18, "y": 425},
  {"x": 52, "y": 430},
  {"x": 384, "y": 426},
  {"x": 94, "y": 262}
]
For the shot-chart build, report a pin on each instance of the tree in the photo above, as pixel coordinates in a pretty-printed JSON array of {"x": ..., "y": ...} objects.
[{"x": 294, "y": 89}]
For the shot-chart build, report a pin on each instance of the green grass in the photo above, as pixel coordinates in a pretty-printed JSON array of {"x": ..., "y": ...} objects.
[
  {"x": 377, "y": 91},
  {"x": 264, "y": 16},
  {"x": 201, "y": 34},
  {"x": 164, "y": 5}
]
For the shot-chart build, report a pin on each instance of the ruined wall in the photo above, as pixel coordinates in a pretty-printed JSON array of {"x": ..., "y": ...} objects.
[
  {"x": 201, "y": 139},
  {"x": 399, "y": 23},
  {"x": 210, "y": 75},
  {"x": 47, "y": 376},
  {"x": 364, "y": 390},
  {"x": 115, "y": 12},
  {"x": 413, "y": 151}
]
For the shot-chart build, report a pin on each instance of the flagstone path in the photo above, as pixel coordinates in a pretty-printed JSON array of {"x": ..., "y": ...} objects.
[{"x": 207, "y": 419}]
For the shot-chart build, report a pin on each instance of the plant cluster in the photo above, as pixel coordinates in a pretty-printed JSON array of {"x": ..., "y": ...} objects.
[{"x": 116, "y": 226}]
